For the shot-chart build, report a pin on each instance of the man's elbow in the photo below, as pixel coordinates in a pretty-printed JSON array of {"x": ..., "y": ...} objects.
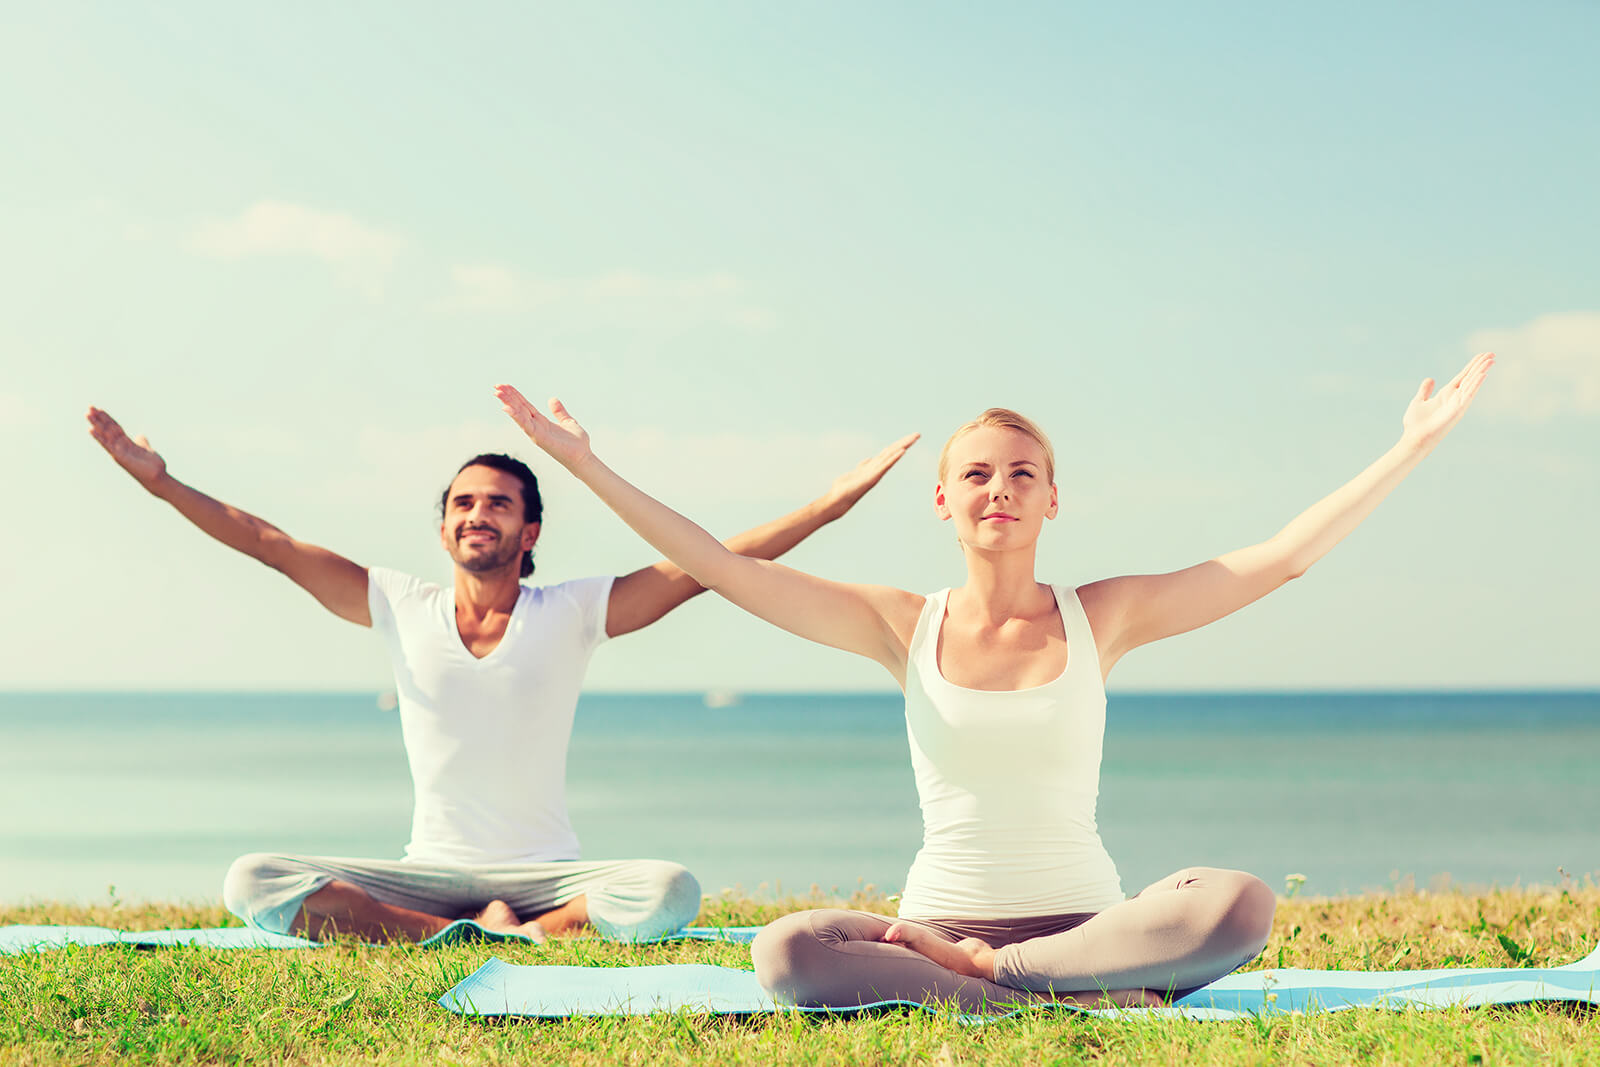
[{"x": 274, "y": 548}]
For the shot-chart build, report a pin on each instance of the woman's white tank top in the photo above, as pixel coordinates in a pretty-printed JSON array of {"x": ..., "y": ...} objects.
[{"x": 1008, "y": 783}]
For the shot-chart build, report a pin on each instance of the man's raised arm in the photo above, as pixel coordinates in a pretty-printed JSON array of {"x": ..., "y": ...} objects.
[
  {"x": 338, "y": 584},
  {"x": 640, "y": 598}
]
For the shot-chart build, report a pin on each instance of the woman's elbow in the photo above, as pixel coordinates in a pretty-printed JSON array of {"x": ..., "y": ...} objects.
[{"x": 1285, "y": 562}]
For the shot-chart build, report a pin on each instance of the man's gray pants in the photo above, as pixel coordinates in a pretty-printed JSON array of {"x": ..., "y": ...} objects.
[{"x": 628, "y": 900}]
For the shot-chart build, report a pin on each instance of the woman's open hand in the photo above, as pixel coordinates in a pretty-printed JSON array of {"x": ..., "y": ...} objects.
[
  {"x": 1430, "y": 415},
  {"x": 560, "y": 437}
]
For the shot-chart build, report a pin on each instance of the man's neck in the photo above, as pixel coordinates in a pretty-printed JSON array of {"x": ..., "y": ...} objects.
[{"x": 479, "y": 595}]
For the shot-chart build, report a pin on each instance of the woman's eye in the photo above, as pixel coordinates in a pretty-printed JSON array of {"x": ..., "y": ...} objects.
[{"x": 1025, "y": 474}]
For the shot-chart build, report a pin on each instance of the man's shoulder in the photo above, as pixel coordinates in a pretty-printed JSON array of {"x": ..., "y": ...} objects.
[
  {"x": 573, "y": 590},
  {"x": 398, "y": 585}
]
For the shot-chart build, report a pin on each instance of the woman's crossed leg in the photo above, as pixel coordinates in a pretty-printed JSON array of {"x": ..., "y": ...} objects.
[{"x": 1175, "y": 935}]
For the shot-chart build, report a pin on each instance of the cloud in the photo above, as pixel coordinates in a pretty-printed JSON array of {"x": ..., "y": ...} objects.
[
  {"x": 620, "y": 297},
  {"x": 741, "y": 466},
  {"x": 746, "y": 466},
  {"x": 435, "y": 450},
  {"x": 744, "y": 462},
  {"x": 1546, "y": 367},
  {"x": 275, "y": 228}
]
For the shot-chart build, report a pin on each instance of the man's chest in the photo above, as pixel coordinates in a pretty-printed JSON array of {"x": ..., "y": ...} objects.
[{"x": 479, "y": 637}]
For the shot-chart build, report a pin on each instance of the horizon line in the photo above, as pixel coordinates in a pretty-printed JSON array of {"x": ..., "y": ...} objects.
[{"x": 1572, "y": 690}]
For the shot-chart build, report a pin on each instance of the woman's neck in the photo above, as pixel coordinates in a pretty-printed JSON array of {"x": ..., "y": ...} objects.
[{"x": 1000, "y": 585}]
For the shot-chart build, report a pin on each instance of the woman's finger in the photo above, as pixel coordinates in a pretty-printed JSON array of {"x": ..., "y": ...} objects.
[{"x": 1475, "y": 364}]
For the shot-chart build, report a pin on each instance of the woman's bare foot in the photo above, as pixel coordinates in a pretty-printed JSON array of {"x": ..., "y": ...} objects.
[
  {"x": 970, "y": 957},
  {"x": 975, "y": 959},
  {"x": 1113, "y": 998},
  {"x": 498, "y": 916}
]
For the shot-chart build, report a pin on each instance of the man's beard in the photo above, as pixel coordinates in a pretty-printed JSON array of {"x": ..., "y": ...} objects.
[{"x": 506, "y": 550}]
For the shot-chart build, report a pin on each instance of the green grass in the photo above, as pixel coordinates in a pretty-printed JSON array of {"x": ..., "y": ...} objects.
[{"x": 354, "y": 1003}]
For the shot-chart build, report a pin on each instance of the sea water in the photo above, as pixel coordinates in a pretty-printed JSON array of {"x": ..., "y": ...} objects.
[{"x": 155, "y": 793}]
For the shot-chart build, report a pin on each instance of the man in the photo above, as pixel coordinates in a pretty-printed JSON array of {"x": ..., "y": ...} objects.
[{"x": 487, "y": 675}]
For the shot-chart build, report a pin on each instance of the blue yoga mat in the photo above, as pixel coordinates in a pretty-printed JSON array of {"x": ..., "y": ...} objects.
[
  {"x": 498, "y": 988},
  {"x": 15, "y": 939}
]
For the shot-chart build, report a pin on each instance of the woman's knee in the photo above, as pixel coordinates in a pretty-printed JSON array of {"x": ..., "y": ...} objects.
[
  {"x": 1248, "y": 905},
  {"x": 796, "y": 957},
  {"x": 779, "y": 951}
]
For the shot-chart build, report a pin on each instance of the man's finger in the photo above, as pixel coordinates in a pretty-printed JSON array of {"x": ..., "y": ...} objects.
[{"x": 892, "y": 453}]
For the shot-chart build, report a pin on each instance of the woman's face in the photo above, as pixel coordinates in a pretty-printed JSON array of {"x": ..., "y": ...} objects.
[{"x": 994, "y": 489}]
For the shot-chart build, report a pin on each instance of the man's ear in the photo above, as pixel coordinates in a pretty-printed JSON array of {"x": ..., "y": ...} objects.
[{"x": 530, "y": 535}]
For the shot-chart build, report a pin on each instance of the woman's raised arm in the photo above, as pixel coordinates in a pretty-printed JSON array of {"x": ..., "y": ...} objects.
[
  {"x": 1135, "y": 610},
  {"x": 872, "y": 621}
]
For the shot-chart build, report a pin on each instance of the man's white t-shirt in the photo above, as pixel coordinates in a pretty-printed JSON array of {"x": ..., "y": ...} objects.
[{"x": 487, "y": 738}]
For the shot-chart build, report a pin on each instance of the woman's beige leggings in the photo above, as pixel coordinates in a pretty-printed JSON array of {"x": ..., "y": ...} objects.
[{"x": 1174, "y": 936}]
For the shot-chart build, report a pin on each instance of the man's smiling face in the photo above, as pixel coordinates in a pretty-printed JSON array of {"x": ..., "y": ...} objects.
[{"x": 484, "y": 527}]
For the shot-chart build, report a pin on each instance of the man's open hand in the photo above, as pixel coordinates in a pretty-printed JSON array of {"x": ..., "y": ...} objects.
[{"x": 133, "y": 455}]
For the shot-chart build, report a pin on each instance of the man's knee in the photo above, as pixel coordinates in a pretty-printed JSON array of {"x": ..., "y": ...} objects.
[
  {"x": 644, "y": 899},
  {"x": 676, "y": 892},
  {"x": 265, "y": 890},
  {"x": 242, "y": 886}
]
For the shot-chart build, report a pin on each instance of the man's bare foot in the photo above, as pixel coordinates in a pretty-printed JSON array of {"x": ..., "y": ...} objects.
[
  {"x": 970, "y": 957},
  {"x": 498, "y": 916},
  {"x": 569, "y": 917}
]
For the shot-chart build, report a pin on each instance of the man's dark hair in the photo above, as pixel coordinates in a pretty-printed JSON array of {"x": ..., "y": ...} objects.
[{"x": 532, "y": 504}]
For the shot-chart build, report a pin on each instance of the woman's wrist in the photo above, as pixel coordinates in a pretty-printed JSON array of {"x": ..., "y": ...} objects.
[
  {"x": 585, "y": 467},
  {"x": 1414, "y": 445}
]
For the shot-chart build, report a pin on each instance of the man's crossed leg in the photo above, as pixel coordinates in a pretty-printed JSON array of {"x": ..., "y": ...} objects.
[{"x": 382, "y": 900}]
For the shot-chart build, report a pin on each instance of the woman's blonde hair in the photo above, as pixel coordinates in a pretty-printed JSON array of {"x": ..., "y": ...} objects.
[{"x": 1005, "y": 419}]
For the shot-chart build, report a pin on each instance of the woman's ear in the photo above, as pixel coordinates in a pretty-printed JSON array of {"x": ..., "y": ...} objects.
[{"x": 940, "y": 508}]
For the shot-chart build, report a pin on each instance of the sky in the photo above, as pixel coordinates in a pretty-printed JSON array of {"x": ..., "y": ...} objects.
[{"x": 1211, "y": 250}]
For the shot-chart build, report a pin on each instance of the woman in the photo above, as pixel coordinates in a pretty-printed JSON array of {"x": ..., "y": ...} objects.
[{"x": 1012, "y": 898}]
